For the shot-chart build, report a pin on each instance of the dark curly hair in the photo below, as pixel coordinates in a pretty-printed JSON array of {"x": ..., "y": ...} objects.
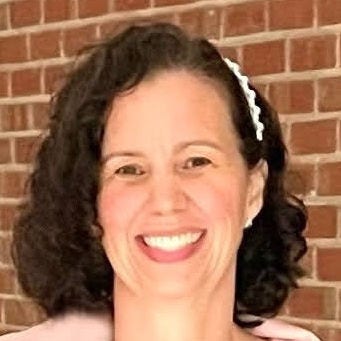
[{"x": 59, "y": 258}]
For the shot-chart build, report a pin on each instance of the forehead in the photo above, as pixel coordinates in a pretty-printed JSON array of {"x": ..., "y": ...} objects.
[{"x": 175, "y": 102}]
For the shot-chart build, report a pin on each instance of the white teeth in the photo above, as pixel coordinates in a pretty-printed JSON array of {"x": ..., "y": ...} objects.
[{"x": 173, "y": 242}]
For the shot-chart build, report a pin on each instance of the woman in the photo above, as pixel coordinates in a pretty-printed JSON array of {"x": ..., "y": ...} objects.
[{"x": 157, "y": 206}]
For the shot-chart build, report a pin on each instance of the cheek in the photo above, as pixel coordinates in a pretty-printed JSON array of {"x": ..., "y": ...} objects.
[
  {"x": 221, "y": 198},
  {"x": 116, "y": 207}
]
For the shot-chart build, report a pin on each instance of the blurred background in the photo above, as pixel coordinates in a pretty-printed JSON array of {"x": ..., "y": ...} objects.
[{"x": 290, "y": 48}]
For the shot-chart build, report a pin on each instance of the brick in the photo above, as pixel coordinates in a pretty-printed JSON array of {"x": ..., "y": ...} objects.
[
  {"x": 284, "y": 129},
  {"x": 12, "y": 183},
  {"x": 328, "y": 12},
  {"x": 5, "y": 329},
  {"x": 13, "y": 118},
  {"x": 8, "y": 214},
  {"x": 313, "y": 302},
  {"x": 336, "y": 334},
  {"x": 45, "y": 45},
  {"x": 26, "y": 82},
  {"x": 244, "y": 18},
  {"x": 78, "y": 38},
  {"x": 167, "y": 18},
  {"x": 313, "y": 53},
  {"x": 13, "y": 49},
  {"x": 3, "y": 17},
  {"x": 323, "y": 333},
  {"x": 339, "y": 317},
  {"x": 339, "y": 135},
  {"x": 112, "y": 27},
  {"x": 5, "y": 155},
  {"x": 171, "y": 2},
  {"x": 203, "y": 22},
  {"x": 90, "y": 8},
  {"x": 261, "y": 88},
  {"x": 59, "y": 10},
  {"x": 301, "y": 14},
  {"x": 313, "y": 137},
  {"x": 26, "y": 148},
  {"x": 54, "y": 78},
  {"x": 322, "y": 222},
  {"x": 306, "y": 263},
  {"x": 292, "y": 97},
  {"x": 40, "y": 115},
  {"x": 229, "y": 52},
  {"x": 7, "y": 281},
  {"x": 329, "y": 90},
  {"x": 25, "y": 13},
  {"x": 3, "y": 84},
  {"x": 327, "y": 260},
  {"x": 23, "y": 313},
  {"x": 329, "y": 180},
  {"x": 263, "y": 58},
  {"x": 128, "y": 5},
  {"x": 5, "y": 247},
  {"x": 327, "y": 333},
  {"x": 300, "y": 178}
]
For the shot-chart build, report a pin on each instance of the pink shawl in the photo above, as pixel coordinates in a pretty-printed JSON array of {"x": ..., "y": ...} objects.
[{"x": 77, "y": 326}]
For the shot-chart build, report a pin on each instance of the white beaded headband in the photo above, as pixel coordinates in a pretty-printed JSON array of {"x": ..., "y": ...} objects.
[{"x": 250, "y": 97}]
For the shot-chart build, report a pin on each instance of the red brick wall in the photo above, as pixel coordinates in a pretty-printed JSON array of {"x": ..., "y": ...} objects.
[{"x": 292, "y": 50}]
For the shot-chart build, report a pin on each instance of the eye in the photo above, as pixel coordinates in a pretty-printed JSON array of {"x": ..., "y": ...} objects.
[
  {"x": 129, "y": 170},
  {"x": 197, "y": 162}
]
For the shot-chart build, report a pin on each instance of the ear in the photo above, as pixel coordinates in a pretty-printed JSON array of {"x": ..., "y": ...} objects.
[{"x": 257, "y": 180}]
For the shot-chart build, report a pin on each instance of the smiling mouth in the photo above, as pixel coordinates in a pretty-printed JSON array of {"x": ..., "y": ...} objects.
[
  {"x": 166, "y": 249},
  {"x": 173, "y": 242}
]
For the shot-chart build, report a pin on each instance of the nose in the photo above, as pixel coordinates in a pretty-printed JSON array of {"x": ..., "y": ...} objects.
[{"x": 167, "y": 195}]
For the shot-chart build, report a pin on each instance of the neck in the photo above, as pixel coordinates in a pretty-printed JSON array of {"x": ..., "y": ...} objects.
[{"x": 198, "y": 317}]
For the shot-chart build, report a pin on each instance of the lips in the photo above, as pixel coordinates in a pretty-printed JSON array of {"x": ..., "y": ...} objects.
[
  {"x": 164, "y": 233},
  {"x": 162, "y": 256}
]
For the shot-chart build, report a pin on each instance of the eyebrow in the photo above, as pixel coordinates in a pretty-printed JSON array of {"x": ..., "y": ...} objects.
[{"x": 180, "y": 146}]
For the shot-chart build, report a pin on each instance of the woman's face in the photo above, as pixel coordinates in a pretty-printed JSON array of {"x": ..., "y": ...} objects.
[{"x": 172, "y": 167}]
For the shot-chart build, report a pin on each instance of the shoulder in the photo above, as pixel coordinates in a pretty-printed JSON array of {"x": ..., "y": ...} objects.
[
  {"x": 69, "y": 327},
  {"x": 275, "y": 329},
  {"x": 30, "y": 334}
]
